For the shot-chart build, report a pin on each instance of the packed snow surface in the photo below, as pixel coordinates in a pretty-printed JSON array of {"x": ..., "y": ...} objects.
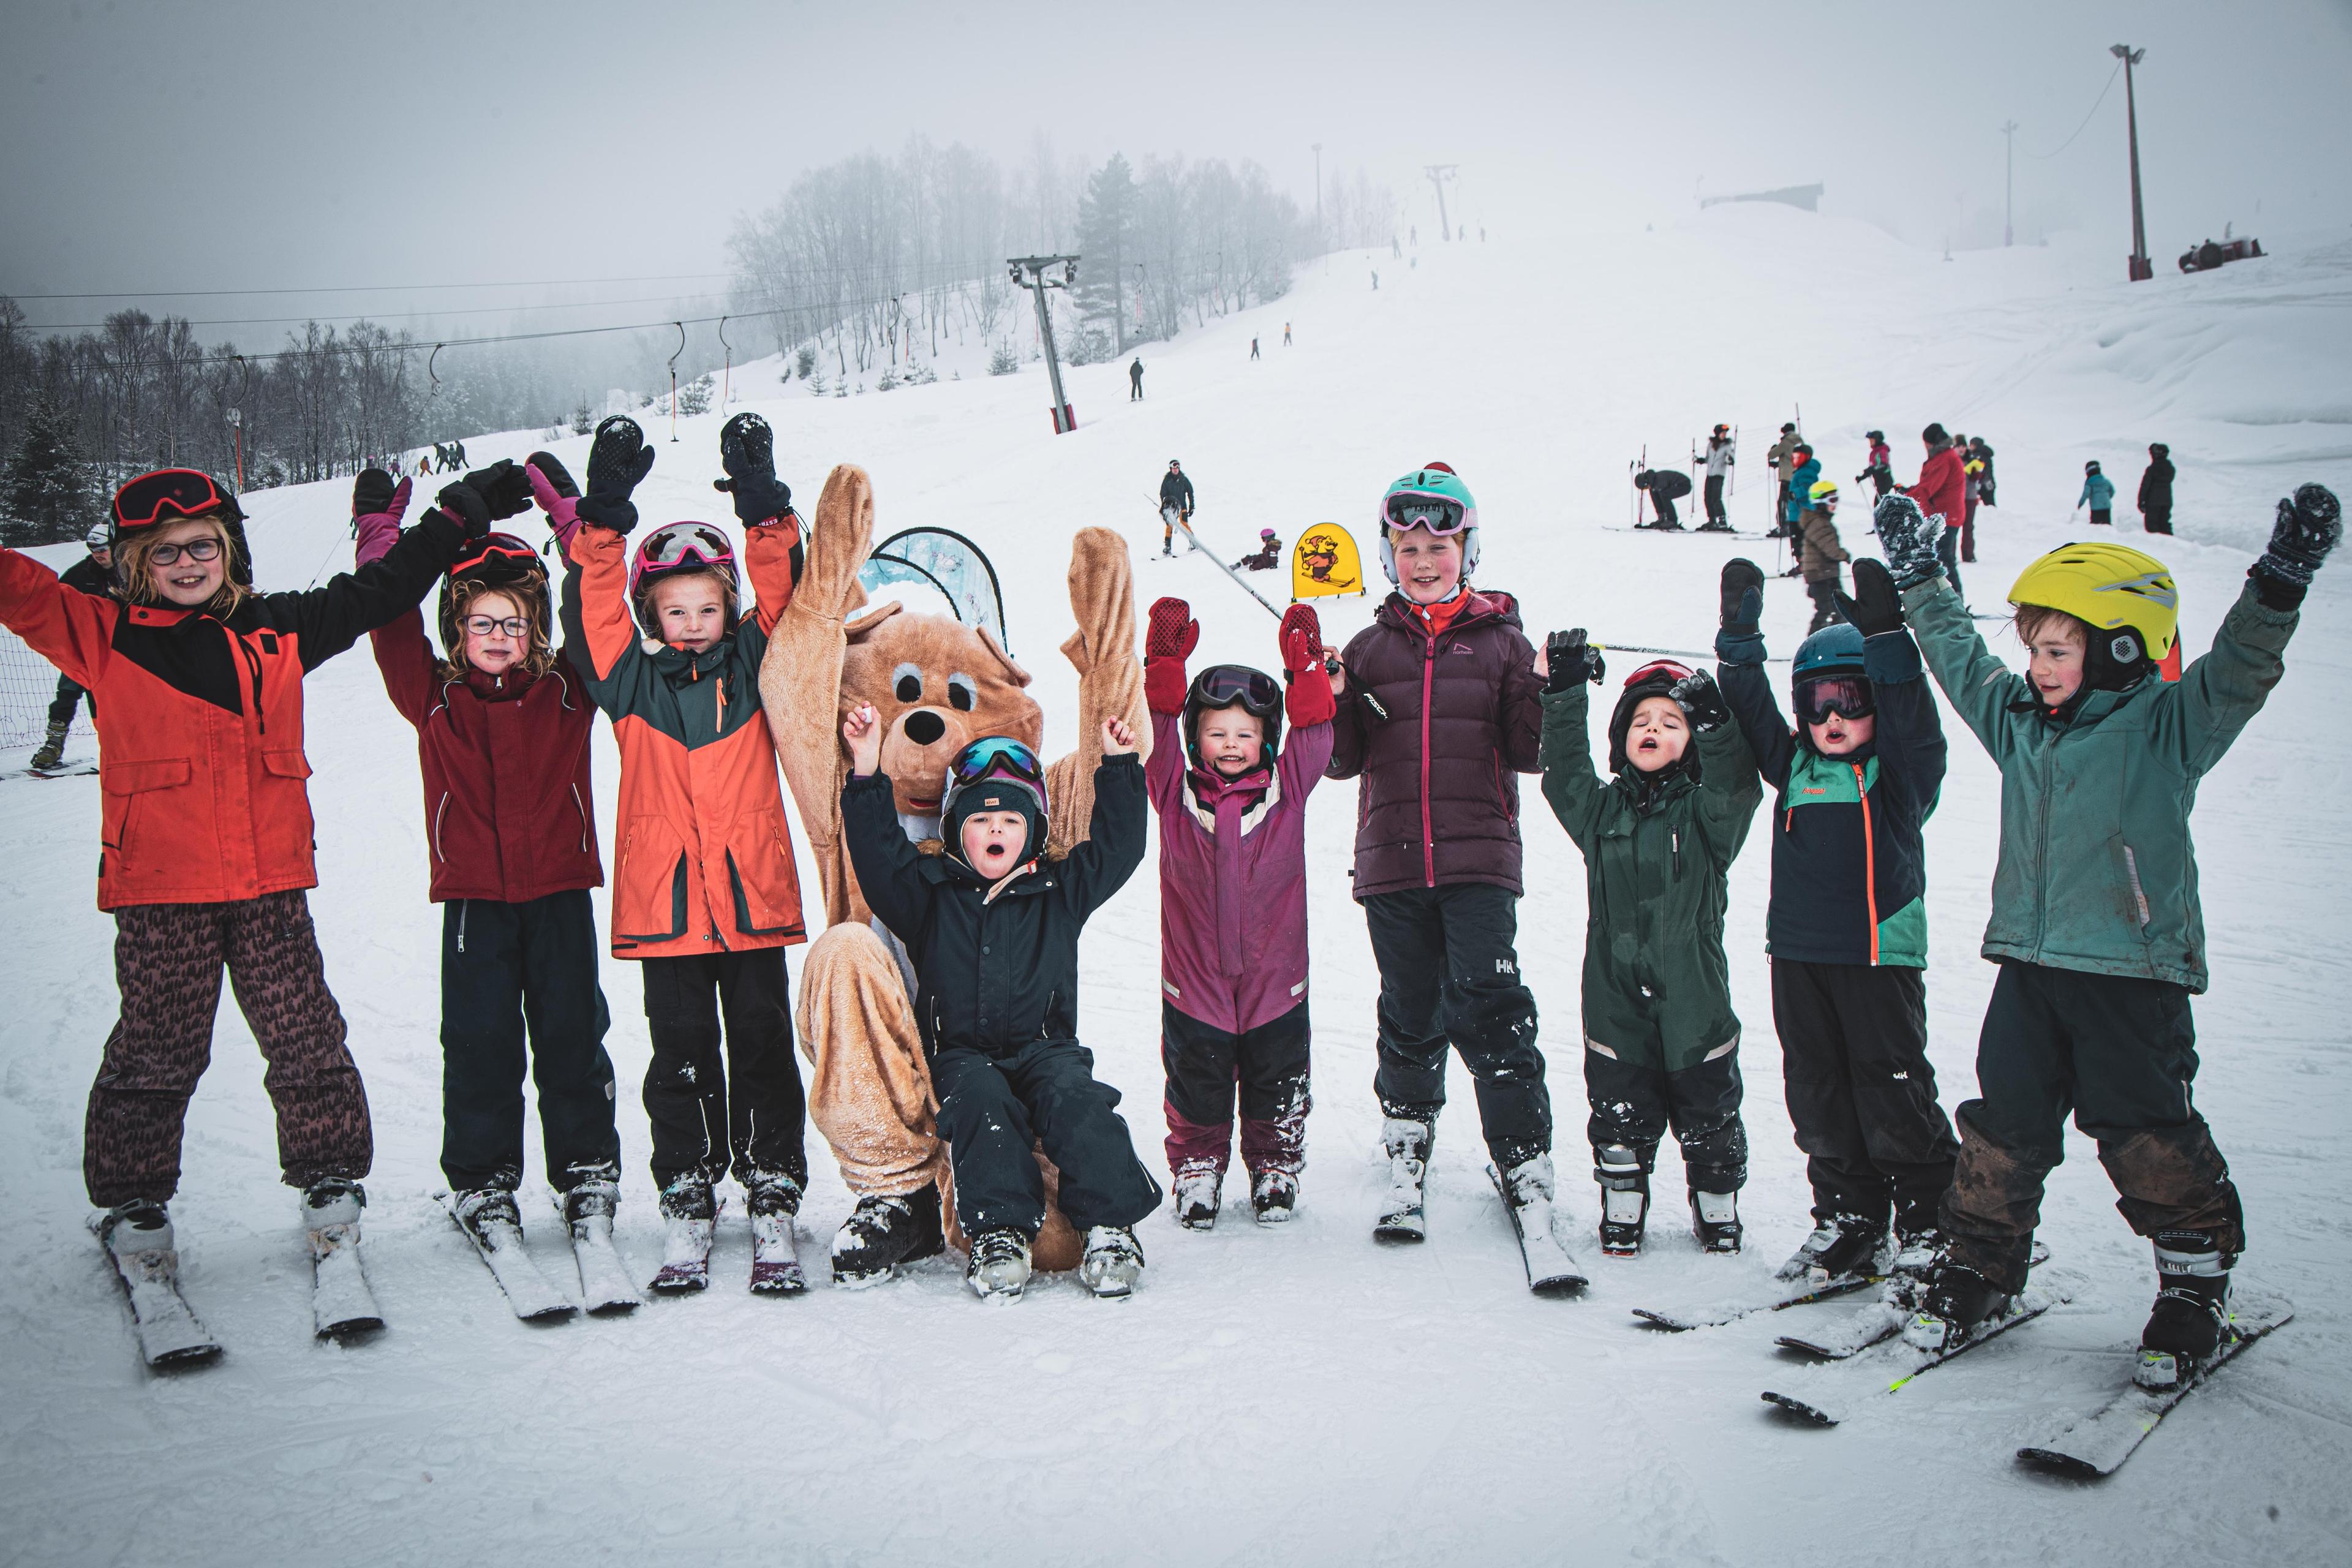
[{"x": 1293, "y": 1394}]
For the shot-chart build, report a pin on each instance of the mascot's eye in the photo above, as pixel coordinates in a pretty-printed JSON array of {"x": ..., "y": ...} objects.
[
  {"x": 907, "y": 688},
  {"x": 962, "y": 694}
]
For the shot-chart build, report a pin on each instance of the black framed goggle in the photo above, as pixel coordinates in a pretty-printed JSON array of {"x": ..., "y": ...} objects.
[{"x": 1847, "y": 696}]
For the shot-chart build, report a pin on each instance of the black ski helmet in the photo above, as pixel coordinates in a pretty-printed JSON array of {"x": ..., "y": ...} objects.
[{"x": 1257, "y": 694}]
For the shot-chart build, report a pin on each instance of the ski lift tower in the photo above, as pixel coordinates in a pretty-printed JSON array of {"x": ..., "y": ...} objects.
[
  {"x": 1438, "y": 175},
  {"x": 1034, "y": 273}
]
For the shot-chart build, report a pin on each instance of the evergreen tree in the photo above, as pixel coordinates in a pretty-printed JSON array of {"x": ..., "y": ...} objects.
[
  {"x": 50, "y": 495},
  {"x": 1107, "y": 243}
]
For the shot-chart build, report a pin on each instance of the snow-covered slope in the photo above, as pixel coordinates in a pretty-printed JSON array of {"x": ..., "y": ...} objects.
[{"x": 1300, "y": 1394}]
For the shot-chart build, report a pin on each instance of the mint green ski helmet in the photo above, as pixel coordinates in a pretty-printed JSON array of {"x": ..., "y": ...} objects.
[{"x": 1431, "y": 497}]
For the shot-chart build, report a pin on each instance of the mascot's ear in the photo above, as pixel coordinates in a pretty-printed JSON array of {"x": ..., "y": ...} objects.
[
  {"x": 1012, "y": 672},
  {"x": 858, "y": 630}
]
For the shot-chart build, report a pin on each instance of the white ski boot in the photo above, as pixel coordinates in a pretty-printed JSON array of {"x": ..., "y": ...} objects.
[
  {"x": 138, "y": 1238},
  {"x": 690, "y": 1214},
  {"x": 341, "y": 1305},
  {"x": 1114, "y": 1261},
  {"x": 1715, "y": 1220},
  {"x": 1199, "y": 1190},
  {"x": 999, "y": 1269},
  {"x": 776, "y": 1252},
  {"x": 1407, "y": 1143}
]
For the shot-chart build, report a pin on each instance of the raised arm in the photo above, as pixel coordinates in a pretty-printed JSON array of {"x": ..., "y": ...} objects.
[
  {"x": 1740, "y": 669},
  {"x": 1571, "y": 785},
  {"x": 1169, "y": 637},
  {"x": 330, "y": 618},
  {"x": 1095, "y": 869},
  {"x": 1728, "y": 787},
  {"x": 71, "y": 629}
]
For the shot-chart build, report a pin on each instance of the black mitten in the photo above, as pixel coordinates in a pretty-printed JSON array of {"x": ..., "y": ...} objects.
[
  {"x": 370, "y": 492},
  {"x": 747, "y": 450},
  {"x": 1701, "y": 702},
  {"x": 1909, "y": 539},
  {"x": 504, "y": 487},
  {"x": 1741, "y": 641},
  {"x": 462, "y": 504},
  {"x": 1570, "y": 658},
  {"x": 1876, "y": 606},
  {"x": 618, "y": 461},
  {"x": 2308, "y": 527}
]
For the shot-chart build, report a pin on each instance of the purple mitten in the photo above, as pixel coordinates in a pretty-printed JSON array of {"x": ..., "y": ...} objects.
[
  {"x": 377, "y": 531},
  {"x": 558, "y": 497}
]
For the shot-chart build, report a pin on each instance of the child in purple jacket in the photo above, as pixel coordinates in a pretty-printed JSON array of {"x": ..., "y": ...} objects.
[{"x": 1231, "y": 798}]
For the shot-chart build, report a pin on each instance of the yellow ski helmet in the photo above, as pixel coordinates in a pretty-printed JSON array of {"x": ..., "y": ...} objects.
[
  {"x": 2125, "y": 596},
  {"x": 1822, "y": 490}
]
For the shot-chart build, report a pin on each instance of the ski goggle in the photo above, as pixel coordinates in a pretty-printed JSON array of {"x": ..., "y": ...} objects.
[
  {"x": 495, "y": 550},
  {"x": 1847, "y": 696},
  {"x": 1672, "y": 670},
  {"x": 184, "y": 493},
  {"x": 679, "y": 544},
  {"x": 1432, "y": 514},
  {"x": 996, "y": 754},
  {"x": 1223, "y": 685}
]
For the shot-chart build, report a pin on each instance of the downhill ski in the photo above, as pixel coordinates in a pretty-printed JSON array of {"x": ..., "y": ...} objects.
[
  {"x": 2098, "y": 1444},
  {"x": 605, "y": 1282},
  {"x": 341, "y": 1305},
  {"x": 2025, "y": 1308},
  {"x": 170, "y": 1335},
  {"x": 1731, "y": 1311},
  {"x": 1551, "y": 1270},
  {"x": 497, "y": 1235}
]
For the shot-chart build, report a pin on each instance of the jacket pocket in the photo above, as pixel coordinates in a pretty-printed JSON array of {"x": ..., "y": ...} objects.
[
  {"x": 759, "y": 866},
  {"x": 126, "y": 786},
  {"x": 648, "y": 890}
]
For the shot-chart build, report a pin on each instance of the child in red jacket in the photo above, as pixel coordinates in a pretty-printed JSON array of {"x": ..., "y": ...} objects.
[
  {"x": 503, "y": 731},
  {"x": 205, "y": 842}
]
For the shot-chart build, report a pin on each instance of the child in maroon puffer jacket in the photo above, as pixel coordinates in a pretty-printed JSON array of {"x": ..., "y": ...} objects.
[
  {"x": 502, "y": 734},
  {"x": 1442, "y": 715},
  {"x": 1230, "y": 790}
]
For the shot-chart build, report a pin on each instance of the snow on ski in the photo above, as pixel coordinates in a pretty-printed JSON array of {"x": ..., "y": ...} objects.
[
  {"x": 73, "y": 770},
  {"x": 341, "y": 1305},
  {"x": 775, "y": 1256},
  {"x": 2029, "y": 1304},
  {"x": 1736, "y": 1308},
  {"x": 171, "y": 1336},
  {"x": 685, "y": 1257},
  {"x": 1867, "y": 1325},
  {"x": 2098, "y": 1444},
  {"x": 1551, "y": 1269},
  {"x": 531, "y": 1295},
  {"x": 605, "y": 1283}
]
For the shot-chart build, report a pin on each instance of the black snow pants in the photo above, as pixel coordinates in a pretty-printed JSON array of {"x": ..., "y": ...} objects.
[
  {"x": 508, "y": 970},
  {"x": 1860, "y": 1092},
  {"x": 1204, "y": 1066},
  {"x": 1634, "y": 1101},
  {"x": 70, "y": 693},
  {"x": 2120, "y": 1053},
  {"x": 748, "y": 1114},
  {"x": 2156, "y": 519},
  {"x": 1450, "y": 974},
  {"x": 1825, "y": 607},
  {"x": 994, "y": 1110},
  {"x": 1715, "y": 512},
  {"x": 1667, "y": 516}
]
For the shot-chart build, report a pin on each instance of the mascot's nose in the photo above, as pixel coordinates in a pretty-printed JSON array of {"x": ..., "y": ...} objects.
[{"x": 923, "y": 726}]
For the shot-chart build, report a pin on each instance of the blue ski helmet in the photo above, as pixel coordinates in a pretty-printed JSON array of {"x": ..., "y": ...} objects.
[
  {"x": 1833, "y": 650},
  {"x": 1434, "y": 489}
]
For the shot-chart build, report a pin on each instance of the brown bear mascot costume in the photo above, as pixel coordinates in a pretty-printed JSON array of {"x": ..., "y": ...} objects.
[{"x": 937, "y": 684}]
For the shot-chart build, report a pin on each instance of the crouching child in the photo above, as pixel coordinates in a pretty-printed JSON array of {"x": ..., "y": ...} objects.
[{"x": 990, "y": 920}]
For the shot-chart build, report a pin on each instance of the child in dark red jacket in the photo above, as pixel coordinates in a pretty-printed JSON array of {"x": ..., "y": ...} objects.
[
  {"x": 206, "y": 841},
  {"x": 1231, "y": 789},
  {"x": 1441, "y": 716},
  {"x": 502, "y": 731}
]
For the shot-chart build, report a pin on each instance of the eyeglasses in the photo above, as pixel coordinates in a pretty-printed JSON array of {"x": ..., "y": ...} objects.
[
  {"x": 206, "y": 549},
  {"x": 1847, "y": 696},
  {"x": 996, "y": 754},
  {"x": 1432, "y": 514},
  {"x": 483, "y": 626},
  {"x": 142, "y": 502}
]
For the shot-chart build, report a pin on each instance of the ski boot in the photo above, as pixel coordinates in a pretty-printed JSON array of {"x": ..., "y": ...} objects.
[
  {"x": 1916, "y": 1254},
  {"x": 999, "y": 1269},
  {"x": 1407, "y": 1143},
  {"x": 332, "y": 1209},
  {"x": 1624, "y": 1199},
  {"x": 689, "y": 1213},
  {"x": 138, "y": 1234},
  {"x": 480, "y": 1210},
  {"x": 53, "y": 748},
  {"x": 2193, "y": 1308},
  {"x": 1957, "y": 1299},
  {"x": 1197, "y": 1190},
  {"x": 773, "y": 1201},
  {"x": 1842, "y": 1245},
  {"x": 341, "y": 1305},
  {"x": 1113, "y": 1262},
  {"x": 1715, "y": 1220},
  {"x": 883, "y": 1233},
  {"x": 592, "y": 1203},
  {"x": 1274, "y": 1195}
]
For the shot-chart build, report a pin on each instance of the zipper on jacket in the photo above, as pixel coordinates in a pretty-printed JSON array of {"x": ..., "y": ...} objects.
[
  {"x": 1869, "y": 860},
  {"x": 253, "y": 662},
  {"x": 437, "y": 813},
  {"x": 583, "y": 817},
  {"x": 2131, "y": 869},
  {"x": 461, "y": 924},
  {"x": 1428, "y": 843}
]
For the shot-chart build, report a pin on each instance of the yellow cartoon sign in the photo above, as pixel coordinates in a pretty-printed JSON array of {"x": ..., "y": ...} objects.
[{"x": 1325, "y": 563}]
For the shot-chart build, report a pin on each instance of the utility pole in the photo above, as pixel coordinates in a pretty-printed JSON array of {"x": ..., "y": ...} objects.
[
  {"x": 1030, "y": 272},
  {"x": 1320, "y": 238},
  {"x": 2009, "y": 185},
  {"x": 2142, "y": 269},
  {"x": 1438, "y": 175}
]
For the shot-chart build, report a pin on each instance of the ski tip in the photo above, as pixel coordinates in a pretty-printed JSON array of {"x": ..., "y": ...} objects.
[
  {"x": 1561, "y": 1289},
  {"x": 2061, "y": 1464},
  {"x": 185, "y": 1358},
  {"x": 1672, "y": 1325},
  {"x": 1398, "y": 1235},
  {"x": 351, "y": 1330},
  {"x": 555, "y": 1312},
  {"x": 1811, "y": 1414}
]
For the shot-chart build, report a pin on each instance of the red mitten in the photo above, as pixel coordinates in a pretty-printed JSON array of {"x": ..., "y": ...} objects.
[
  {"x": 1169, "y": 639},
  {"x": 1309, "y": 700}
]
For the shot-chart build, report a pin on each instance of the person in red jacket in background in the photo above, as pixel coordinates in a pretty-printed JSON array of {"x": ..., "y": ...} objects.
[
  {"x": 502, "y": 730},
  {"x": 205, "y": 837},
  {"x": 1941, "y": 490}
]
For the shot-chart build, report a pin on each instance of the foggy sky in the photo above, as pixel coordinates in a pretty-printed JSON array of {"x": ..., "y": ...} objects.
[{"x": 288, "y": 144}]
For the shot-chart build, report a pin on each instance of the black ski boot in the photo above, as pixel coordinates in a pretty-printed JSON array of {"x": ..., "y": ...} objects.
[
  {"x": 53, "y": 749},
  {"x": 1624, "y": 1199},
  {"x": 883, "y": 1233},
  {"x": 1274, "y": 1195},
  {"x": 690, "y": 1215},
  {"x": 2192, "y": 1308},
  {"x": 1715, "y": 1220},
  {"x": 999, "y": 1268},
  {"x": 1113, "y": 1262},
  {"x": 1199, "y": 1189},
  {"x": 1957, "y": 1299},
  {"x": 1841, "y": 1245}
]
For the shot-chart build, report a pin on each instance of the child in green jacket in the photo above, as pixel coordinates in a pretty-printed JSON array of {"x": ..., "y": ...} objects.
[
  {"x": 2095, "y": 916},
  {"x": 1661, "y": 1041}
]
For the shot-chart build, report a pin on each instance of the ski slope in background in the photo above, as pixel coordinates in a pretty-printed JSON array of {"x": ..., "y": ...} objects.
[{"x": 1297, "y": 1396}]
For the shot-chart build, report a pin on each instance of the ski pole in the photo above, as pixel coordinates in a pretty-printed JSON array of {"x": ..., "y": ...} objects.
[
  {"x": 1185, "y": 523},
  {"x": 1666, "y": 652}
]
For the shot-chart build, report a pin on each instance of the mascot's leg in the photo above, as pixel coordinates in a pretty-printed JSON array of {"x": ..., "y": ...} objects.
[{"x": 1110, "y": 676}]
